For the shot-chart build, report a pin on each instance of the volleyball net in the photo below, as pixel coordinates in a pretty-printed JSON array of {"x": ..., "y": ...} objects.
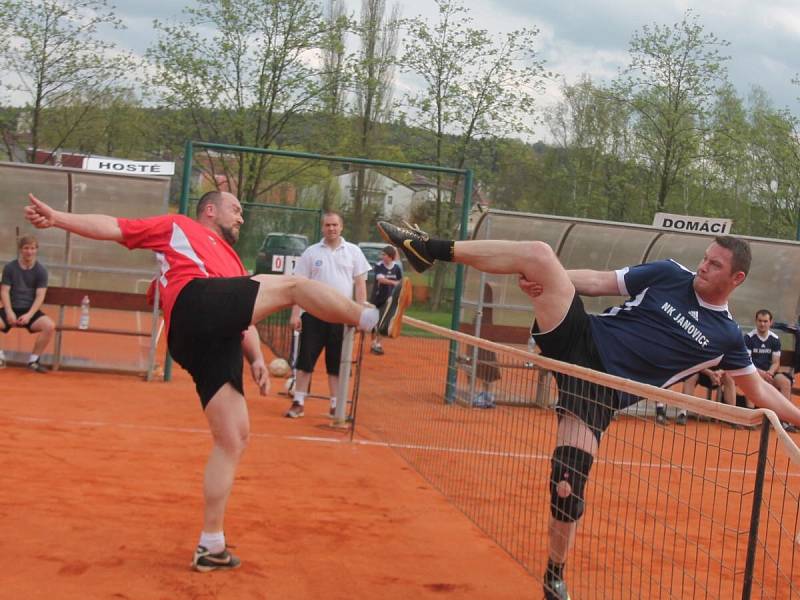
[{"x": 706, "y": 510}]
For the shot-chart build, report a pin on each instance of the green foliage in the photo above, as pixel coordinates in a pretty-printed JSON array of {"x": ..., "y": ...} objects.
[
  {"x": 239, "y": 70},
  {"x": 670, "y": 84},
  {"x": 474, "y": 86},
  {"x": 669, "y": 134},
  {"x": 58, "y": 60}
]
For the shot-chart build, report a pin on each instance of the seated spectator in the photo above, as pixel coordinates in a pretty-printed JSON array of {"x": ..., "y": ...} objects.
[
  {"x": 22, "y": 292},
  {"x": 708, "y": 378},
  {"x": 764, "y": 347},
  {"x": 794, "y": 329}
]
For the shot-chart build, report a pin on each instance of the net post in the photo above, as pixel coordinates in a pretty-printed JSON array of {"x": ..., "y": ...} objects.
[
  {"x": 755, "y": 515},
  {"x": 345, "y": 362},
  {"x": 459, "y": 287}
]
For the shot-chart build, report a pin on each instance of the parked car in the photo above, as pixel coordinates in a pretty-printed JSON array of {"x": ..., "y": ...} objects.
[
  {"x": 279, "y": 244},
  {"x": 372, "y": 250}
]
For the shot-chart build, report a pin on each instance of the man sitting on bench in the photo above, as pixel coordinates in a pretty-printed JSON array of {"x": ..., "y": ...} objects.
[{"x": 22, "y": 291}]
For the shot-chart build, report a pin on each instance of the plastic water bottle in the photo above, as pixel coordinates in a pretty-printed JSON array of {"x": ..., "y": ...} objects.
[
  {"x": 83, "y": 323},
  {"x": 531, "y": 349}
]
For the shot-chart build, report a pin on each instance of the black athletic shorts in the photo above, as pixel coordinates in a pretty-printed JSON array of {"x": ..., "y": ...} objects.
[
  {"x": 705, "y": 381},
  {"x": 205, "y": 332},
  {"x": 571, "y": 341},
  {"x": 18, "y": 311},
  {"x": 315, "y": 335}
]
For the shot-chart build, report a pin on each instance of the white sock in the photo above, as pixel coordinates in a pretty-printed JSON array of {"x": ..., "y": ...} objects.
[
  {"x": 2, "y": 355},
  {"x": 34, "y": 358},
  {"x": 369, "y": 319},
  {"x": 300, "y": 398},
  {"x": 333, "y": 402},
  {"x": 213, "y": 542}
]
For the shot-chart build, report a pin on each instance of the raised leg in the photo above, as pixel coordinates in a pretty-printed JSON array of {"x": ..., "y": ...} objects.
[{"x": 536, "y": 261}]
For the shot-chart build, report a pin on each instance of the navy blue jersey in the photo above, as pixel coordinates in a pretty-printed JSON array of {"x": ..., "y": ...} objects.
[
  {"x": 380, "y": 293},
  {"x": 762, "y": 350},
  {"x": 664, "y": 332}
]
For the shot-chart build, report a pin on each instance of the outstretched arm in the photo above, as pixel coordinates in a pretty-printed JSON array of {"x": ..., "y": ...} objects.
[
  {"x": 96, "y": 227},
  {"x": 594, "y": 283},
  {"x": 764, "y": 395},
  {"x": 586, "y": 282}
]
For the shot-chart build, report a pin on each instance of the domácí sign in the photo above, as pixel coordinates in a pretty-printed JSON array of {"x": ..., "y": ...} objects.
[{"x": 690, "y": 224}]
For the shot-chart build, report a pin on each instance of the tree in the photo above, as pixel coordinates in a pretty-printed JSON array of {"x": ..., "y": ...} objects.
[
  {"x": 241, "y": 70},
  {"x": 373, "y": 76},
  {"x": 474, "y": 86},
  {"x": 113, "y": 123},
  {"x": 775, "y": 165},
  {"x": 55, "y": 56},
  {"x": 670, "y": 84},
  {"x": 592, "y": 136}
]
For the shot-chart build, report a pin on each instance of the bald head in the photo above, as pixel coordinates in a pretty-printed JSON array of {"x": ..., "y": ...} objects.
[
  {"x": 221, "y": 212},
  {"x": 214, "y": 197}
]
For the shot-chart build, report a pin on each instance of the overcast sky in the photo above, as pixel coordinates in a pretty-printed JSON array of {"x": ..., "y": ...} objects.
[{"x": 588, "y": 36}]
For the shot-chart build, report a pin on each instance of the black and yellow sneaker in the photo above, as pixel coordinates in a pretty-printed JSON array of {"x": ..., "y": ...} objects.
[
  {"x": 205, "y": 561},
  {"x": 411, "y": 240},
  {"x": 391, "y": 321}
]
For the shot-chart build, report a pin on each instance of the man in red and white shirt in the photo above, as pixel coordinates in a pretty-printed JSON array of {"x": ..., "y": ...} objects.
[{"x": 210, "y": 307}]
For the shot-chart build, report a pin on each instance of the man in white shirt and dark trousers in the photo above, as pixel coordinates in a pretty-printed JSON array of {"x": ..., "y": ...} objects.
[{"x": 343, "y": 266}]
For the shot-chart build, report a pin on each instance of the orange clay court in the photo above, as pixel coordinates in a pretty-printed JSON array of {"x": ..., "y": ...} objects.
[{"x": 101, "y": 498}]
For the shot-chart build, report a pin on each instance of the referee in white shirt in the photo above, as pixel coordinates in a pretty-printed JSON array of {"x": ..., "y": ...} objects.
[{"x": 342, "y": 265}]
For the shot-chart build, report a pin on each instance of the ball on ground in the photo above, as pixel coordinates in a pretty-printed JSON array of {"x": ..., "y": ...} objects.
[{"x": 279, "y": 368}]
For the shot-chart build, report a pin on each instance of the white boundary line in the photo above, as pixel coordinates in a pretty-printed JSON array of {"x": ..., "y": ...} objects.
[{"x": 341, "y": 440}]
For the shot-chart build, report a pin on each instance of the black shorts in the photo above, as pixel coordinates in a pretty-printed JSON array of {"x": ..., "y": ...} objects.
[
  {"x": 705, "y": 381},
  {"x": 315, "y": 335},
  {"x": 18, "y": 311},
  {"x": 571, "y": 341},
  {"x": 205, "y": 332}
]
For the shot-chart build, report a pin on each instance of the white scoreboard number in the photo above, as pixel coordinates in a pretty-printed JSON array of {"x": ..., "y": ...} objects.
[{"x": 284, "y": 264}]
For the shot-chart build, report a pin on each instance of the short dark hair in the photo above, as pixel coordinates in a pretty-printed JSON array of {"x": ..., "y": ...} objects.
[
  {"x": 333, "y": 213},
  {"x": 212, "y": 197},
  {"x": 390, "y": 251},
  {"x": 26, "y": 240},
  {"x": 740, "y": 251},
  {"x": 764, "y": 311}
]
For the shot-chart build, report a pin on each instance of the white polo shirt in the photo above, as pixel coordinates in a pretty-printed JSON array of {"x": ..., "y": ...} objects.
[{"x": 337, "y": 267}]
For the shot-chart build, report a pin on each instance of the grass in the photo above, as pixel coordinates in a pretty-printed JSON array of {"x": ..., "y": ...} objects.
[{"x": 423, "y": 313}]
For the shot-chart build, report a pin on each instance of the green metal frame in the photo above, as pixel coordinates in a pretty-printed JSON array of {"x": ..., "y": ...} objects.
[{"x": 188, "y": 157}]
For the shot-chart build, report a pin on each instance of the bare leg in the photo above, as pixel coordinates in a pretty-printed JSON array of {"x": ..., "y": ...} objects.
[
  {"x": 571, "y": 432},
  {"x": 280, "y": 291},
  {"x": 45, "y": 327},
  {"x": 229, "y": 424},
  {"x": 535, "y": 260},
  {"x": 301, "y": 384},
  {"x": 728, "y": 390},
  {"x": 333, "y": 385},
  {"x": 689, "y": 385},
  {"x": 783, "y": 385}
]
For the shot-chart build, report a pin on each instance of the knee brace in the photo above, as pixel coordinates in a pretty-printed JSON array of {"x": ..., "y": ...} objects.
[{"x": 570, "y": 470}]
